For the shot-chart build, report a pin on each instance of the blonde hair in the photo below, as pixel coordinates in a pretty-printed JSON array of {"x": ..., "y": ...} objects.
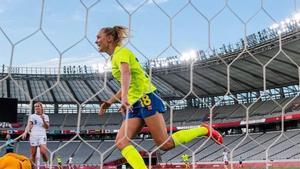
[
  {"x": 41, "y": 105},
  {"x": 119, "y": 33}
]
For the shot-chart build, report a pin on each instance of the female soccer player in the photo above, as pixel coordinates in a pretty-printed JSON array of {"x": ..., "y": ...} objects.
[
  {"x": 37, "y": 125},
  {"x": 137, "y": 95},
  {"x": 10, "y": 144}
]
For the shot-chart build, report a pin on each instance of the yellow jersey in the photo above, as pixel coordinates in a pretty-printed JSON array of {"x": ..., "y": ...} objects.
[{"x": 139, "y": 83}]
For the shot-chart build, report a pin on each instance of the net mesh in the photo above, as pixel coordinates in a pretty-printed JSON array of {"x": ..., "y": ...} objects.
[{"x": 88, "y": 13}]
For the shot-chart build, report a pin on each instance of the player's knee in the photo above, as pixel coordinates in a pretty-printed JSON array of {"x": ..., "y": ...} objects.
[
  {"x": 43, "y": 152},
  {"x": 33, "y": 155},
  {"x": 121, "y": 143},
  {"x": 166, "y": 146}
]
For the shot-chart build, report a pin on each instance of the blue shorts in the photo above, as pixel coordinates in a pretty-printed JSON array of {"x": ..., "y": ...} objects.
[{"x": 147, "y": 106}]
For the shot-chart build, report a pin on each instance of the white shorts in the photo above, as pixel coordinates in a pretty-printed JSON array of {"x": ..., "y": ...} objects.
[{"x": 38, "y": 140}]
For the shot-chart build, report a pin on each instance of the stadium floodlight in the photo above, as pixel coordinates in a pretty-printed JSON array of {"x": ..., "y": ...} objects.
[
  {"x": 287, "y": 24},
  {"x": 165, "y": 64},
  {"x": 188, "y": 56},
  {"x": 274, "y": 26},
  {"x": 152, "y": 63},
  {"x": 297, "y": 17},
  {"x": 101, "y": 68},
  {"x": 157, "y": 65},
  {"x": 95, "y": 67}
]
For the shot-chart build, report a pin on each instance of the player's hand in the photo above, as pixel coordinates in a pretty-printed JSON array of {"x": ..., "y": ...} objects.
[
  {"x": 124, "y": 106},
  {"x": 24, "y": 135},
  {"x": 103, "y": 107},
  {"x": 43, "y": 117}
]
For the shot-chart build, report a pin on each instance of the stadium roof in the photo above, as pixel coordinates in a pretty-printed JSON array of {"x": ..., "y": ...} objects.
[{"x": 244, "y": 69}]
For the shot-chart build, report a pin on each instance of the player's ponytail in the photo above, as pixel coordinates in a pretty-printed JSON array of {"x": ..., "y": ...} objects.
[{"x": 119, "y": 33}]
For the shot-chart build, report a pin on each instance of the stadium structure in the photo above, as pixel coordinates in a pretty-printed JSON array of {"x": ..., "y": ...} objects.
[{"x": 249, "y": 92}]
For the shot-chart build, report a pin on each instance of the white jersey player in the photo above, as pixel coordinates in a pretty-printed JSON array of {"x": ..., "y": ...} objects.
[
  {"x": 70, "y": 162},
  {"x": 37, "y": 125},
  {"x": 225, "y": 158}
]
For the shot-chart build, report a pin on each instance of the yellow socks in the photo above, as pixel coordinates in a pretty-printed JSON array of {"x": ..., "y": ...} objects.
[
  {"x": 136, "y": 161},
  {"x": 184, "y": 136},
  {"x": 133, "y": 157}
]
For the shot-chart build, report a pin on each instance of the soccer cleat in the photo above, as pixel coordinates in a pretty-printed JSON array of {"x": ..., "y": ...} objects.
[{"x": 215, "y": 135}]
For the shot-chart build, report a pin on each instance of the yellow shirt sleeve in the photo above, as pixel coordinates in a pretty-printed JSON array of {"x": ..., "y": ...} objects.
[{"x": 122, "y": 56}]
